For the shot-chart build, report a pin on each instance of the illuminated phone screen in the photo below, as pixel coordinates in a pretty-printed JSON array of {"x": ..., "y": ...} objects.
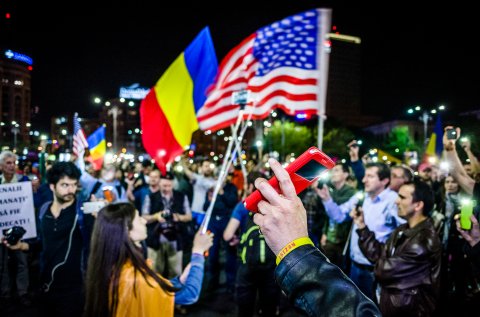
[{"x": 311, "y": 170}]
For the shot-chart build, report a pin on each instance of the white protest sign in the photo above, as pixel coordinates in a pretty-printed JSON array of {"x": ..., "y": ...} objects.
[{"x": 16, "y": 208}]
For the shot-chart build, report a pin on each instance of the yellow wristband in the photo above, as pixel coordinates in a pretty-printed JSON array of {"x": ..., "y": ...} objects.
[{"x": 292, "y": 246}]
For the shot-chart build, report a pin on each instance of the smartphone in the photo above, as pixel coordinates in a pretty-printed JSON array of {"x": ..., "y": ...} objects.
[
  {"x": 305, "y": 170},
  {"x": 361, "y": 197},
  {"x": 92, "y": 206},
  {"x": 323, "y": 180},
  {"x": 451, "y": 134},
  {"x": 465, "y": 212}
]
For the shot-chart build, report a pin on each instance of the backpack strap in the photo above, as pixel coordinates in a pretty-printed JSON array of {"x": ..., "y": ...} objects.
[
  {"x": 95, "y": 188},
  {"x": 119, "y": 190},
  {"x": 43, "y": 209},
  {"x": 80, "y": 214}
]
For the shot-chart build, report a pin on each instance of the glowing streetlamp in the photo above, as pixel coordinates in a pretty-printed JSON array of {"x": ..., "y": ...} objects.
[
  {"x": 425, "y": 117},
  {"x": 114, "y": 110}
]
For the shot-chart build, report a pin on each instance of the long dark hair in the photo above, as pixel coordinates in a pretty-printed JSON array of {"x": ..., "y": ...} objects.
[{"x": 110, "y": 248}]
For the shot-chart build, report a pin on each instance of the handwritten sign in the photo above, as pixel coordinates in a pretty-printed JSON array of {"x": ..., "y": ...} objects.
[{"x": 16, "y": 208}]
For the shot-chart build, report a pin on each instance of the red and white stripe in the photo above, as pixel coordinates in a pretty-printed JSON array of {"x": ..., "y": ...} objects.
[{"x": 291, "y": 89}]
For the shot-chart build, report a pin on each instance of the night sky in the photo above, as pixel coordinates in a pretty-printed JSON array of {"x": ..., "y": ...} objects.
[{"x": 410, "y": 55}]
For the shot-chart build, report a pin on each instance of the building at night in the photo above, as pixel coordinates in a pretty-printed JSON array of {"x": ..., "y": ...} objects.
[
  {"x": 344, "y": 91},
  {"x": 15, "y": 98}
]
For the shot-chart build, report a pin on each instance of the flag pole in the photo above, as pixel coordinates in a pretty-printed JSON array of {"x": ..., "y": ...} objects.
[
  {"x": 240, "y": 98},
  {"x": 239, "y": 150},
  {"x": 222, "y": 174},
  {"x": 324, "y": 22}
]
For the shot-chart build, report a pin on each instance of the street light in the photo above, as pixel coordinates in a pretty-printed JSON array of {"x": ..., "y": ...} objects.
[
  {"x": 15, "y": 130},
  {"x": 425, "y": 117},
  {"x": 114, "y": 110}
]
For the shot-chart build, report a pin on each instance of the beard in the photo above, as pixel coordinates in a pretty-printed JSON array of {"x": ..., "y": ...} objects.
[{"x": 62, "y": 199}]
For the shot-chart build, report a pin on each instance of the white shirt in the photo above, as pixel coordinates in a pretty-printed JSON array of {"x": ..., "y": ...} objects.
[{"x": 200, "y": 188}]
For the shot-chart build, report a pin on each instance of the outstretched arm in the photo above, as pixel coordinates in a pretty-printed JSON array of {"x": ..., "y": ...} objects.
[
  {"x": 456, "y": 167},
  {"x": 190, "y": 282}
]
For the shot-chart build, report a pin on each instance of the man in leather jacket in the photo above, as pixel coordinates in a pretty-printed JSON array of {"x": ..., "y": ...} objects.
[
  {"x": 313, "y": 285},
  {"x": 407, "y": 266}
]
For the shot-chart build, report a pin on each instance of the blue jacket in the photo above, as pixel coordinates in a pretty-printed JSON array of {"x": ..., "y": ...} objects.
[{"x": 189, "y": 292}]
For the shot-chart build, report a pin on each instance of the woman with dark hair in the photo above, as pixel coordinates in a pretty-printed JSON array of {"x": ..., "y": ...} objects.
[
  {"x": 457, "y": 278},
  {"x": 120, "y": 282}
]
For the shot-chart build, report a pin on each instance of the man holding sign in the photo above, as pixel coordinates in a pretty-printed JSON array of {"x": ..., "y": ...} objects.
[{"x": 16, "y": 209}]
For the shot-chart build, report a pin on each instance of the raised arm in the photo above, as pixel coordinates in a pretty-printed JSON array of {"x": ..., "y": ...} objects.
[
  {"x": 187, "y": 170},
  {"x": 467, "y": 147},
  {"x": 456, "y": 167},
  {"x": 338, "y": 213}
]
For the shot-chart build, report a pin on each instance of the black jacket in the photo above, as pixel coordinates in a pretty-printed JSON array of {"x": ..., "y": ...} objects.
[{"x": 318, "y": 288}]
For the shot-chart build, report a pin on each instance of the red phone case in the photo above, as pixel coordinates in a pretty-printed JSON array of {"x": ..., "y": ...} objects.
[{"x": 299, "y": 182}]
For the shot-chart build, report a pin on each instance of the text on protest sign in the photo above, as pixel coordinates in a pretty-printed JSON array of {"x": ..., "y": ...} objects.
[{"x": 16, "y": 208}]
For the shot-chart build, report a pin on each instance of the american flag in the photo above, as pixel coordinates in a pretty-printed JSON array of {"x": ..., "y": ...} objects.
[
  {"x": 278, "y": 65},
  {"x": 79, "y": 140}
]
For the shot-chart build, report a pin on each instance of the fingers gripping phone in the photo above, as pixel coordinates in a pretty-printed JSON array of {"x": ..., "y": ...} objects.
[{"x": 305, "y": 170}]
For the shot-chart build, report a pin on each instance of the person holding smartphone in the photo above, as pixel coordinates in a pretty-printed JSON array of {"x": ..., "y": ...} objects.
[
  {"x": 472, "y": 237},
  {"x": 312, "y": 284},
  {"x": 407, "y": 265},
  {"x": 467, "y": 183},
  {"x": 336, "y": 234},
  {"x": 465, "y": 294}
]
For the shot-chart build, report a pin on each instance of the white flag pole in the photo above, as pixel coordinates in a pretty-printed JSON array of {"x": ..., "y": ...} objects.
[
  {"x": 228, "y": 159},
  {"x": 222, "y": 174},
  {"x": 324, "y": 23},
  {"x": 238, "y": 147}
]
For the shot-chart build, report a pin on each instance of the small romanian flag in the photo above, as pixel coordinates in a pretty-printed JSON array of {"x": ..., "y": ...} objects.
[
  {"x": 98, "y": 147},
  {"x": 435, "y": 145},
  {"x": 168, "y": 114}
]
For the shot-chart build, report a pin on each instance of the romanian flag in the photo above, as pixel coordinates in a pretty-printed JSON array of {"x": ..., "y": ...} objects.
[
  {"x": 435, "y": 145},
  {"x": 168, "y": 114},
  {"x": 97, "y": 146}
]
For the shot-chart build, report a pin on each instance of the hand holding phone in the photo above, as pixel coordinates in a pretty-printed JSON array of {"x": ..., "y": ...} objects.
[
  {"x": 305, "y": 170},
  {"x": 465, "y": 212},
  {"x": 451, "y": 134}
]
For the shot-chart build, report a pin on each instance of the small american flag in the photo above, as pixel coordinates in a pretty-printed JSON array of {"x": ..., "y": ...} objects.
[
  {"x": 278, "y": 65},
  {"x": 79, "y": 140}
]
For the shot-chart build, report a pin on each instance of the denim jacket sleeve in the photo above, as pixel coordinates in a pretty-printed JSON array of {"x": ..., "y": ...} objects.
[
  {"x": 340, "y": 213},
  {"x": 189, "y": 292},
  {"x": 318, "y": 288}
]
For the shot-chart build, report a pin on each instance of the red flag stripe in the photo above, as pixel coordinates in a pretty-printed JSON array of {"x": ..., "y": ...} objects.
[
  {"x": 284, "y": 78},
  {"x": 235, "y": 57},
  {"x": 157, "y": 133}
]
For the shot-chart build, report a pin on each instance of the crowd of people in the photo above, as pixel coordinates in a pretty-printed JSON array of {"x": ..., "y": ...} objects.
[{"x": 369, "y": 240}]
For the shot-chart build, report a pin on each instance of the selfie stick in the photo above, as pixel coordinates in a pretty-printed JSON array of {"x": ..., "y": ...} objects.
[{"x": 227, "y": 160}]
